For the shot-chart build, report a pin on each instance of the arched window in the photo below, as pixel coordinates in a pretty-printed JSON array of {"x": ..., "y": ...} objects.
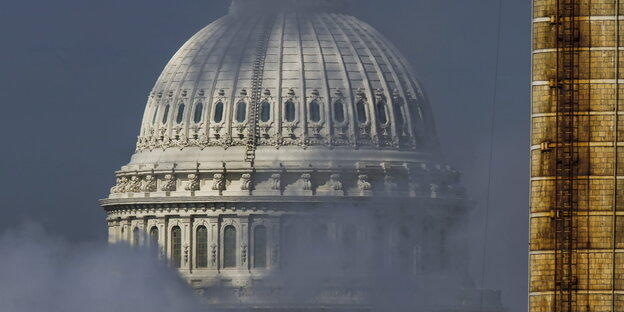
[
  {"x": 260, "y": 247},
  {"x": 361, "y": 111},
  {"x": 202, "y": 247},
  {"x": 289, "y": 111},
  {"x": 199, "y": 111},
  {"x": 176, "y": 246},
  {"x": 315, "y": 111},
  {"x": 265, "y": 111},
  {"x": 381, "y": 112},
  {"x": 135, "y": 237},
  {"x": 165, "y": 114},
  {"x": 241, "y": 111},
  {"x": 180, "y": 116},
  {"x": 229, "y": 247},
  {"x": 339, "y": 114},
  {"x": 155, "y": 114},
  {"x": 154, "y": 236},
  {"x": 218, "y": 113}
]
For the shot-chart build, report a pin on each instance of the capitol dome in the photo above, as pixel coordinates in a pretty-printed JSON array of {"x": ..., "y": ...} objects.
[
  {"x": 287, "y": 87},
  {"x": 285, "y": 110}
]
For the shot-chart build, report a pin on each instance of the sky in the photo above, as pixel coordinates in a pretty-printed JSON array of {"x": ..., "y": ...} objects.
[{"x": 75, "y": 76}]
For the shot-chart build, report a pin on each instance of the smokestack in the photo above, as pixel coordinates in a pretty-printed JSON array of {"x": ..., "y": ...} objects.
[{"x": 576, "y": 158}]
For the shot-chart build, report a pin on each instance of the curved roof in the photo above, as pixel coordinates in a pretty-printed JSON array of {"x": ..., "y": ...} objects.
[
  {"x": 288, "y": 98},
  {"x": 328, "y": 80}
]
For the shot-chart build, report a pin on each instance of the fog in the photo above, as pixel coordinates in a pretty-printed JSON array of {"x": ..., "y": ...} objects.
[
  {"x": 75, "y": 75},
  {"x": 41, "y": 272}
]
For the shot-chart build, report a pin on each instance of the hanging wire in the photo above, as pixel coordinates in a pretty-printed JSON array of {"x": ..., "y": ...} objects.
[{"x": 491, "y": 147}]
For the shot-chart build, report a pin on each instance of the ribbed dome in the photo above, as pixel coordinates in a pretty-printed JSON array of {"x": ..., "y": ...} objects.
[
  {"x": 327, "y": 83},
  {"x": 288, "y": 90}
]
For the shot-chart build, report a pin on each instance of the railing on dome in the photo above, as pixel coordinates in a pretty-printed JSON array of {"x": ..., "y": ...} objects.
[
  {"x": 256, "y": 87},
  {"x": 568, "y": 182}
]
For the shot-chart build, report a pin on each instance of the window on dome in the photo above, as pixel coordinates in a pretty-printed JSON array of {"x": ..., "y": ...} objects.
[
  {"x": 199, "y": 111},
  {"x": 339, "y": 115},
  {"x": 218, "y": 113},
  {"x": 315, "y": 111},
  {"x": 135, "y": 237},
  {"x": 176, "y": 246},
  {"x": 289, "y": 111},
  {"x": 180, "y": 116},
  {"x": 229, "y": 247},
  {"x": 260, "y": 247},
  {"x": 202, "y": 247},
  {"x": 154, "y": 235},
  {"x": 155, "y": 115},
  {"x": 241, "y": 112},
  {"x": 165, "y": 114},
  {"x": 361, "y": 112},
  {"x": 381, "y": 112},
  {"x": 265, "y": 111}
]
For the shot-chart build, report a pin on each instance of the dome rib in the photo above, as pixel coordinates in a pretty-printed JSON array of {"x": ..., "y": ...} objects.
[
  {"x": 381, "y": 75},
  {"x": 323, "y": 68},
  {"x": 195, "y": 88},
  {"x": 345, "y": 74},
  {"x": 388, "y": 89}
]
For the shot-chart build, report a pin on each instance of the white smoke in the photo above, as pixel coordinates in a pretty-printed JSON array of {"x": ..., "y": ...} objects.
[{"x": 48, "y": 274}]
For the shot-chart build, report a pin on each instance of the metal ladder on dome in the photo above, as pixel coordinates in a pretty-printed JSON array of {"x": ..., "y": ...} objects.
[
  {"x": 256, "y": 88},
  {"x": 567, "y": 157}
]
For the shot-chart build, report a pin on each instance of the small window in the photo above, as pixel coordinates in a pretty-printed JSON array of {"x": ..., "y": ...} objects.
[
  {"x": 165, "y": 114},
  {"x": 202, "y": 247},
  {"x": 339, "y": 111},
  {"x": 199, "y": 111},
  {"x": 265, "y": 111},
  {"x": 241, "y": 112},
  {"x": 135, "y": 237},
  {"x": 154, "y": 235},
  {"x": 381, "y": 112},
  {"x": 229, "y": 247},
  {"x": 260, "y": 247},
  {"x": 361, "y": 112},
  {"x": 155, "y": 114},
  {"x": 289, "y": 111},
  {"x": 315, "y": 111},
  {"x": 218, "y": 114},
  {"x": 180, "y": 116},
  {"x": 176, "y": 246}
]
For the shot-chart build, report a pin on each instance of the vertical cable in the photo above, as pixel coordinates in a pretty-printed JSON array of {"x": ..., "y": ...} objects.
[{"x": 491, "y": 147}]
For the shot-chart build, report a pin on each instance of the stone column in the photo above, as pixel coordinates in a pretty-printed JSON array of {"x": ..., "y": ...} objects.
[
  {"x": 187, "y": 238},
  {"x": 244, "y": 242},
  {"x": 213, "y": 242}
]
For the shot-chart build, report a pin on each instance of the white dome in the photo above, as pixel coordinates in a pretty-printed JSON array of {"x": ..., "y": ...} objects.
[{"x": 292, "y": 89}]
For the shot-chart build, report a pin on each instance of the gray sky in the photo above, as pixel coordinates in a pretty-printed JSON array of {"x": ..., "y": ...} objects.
[{"x": 75, "y": 75}]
